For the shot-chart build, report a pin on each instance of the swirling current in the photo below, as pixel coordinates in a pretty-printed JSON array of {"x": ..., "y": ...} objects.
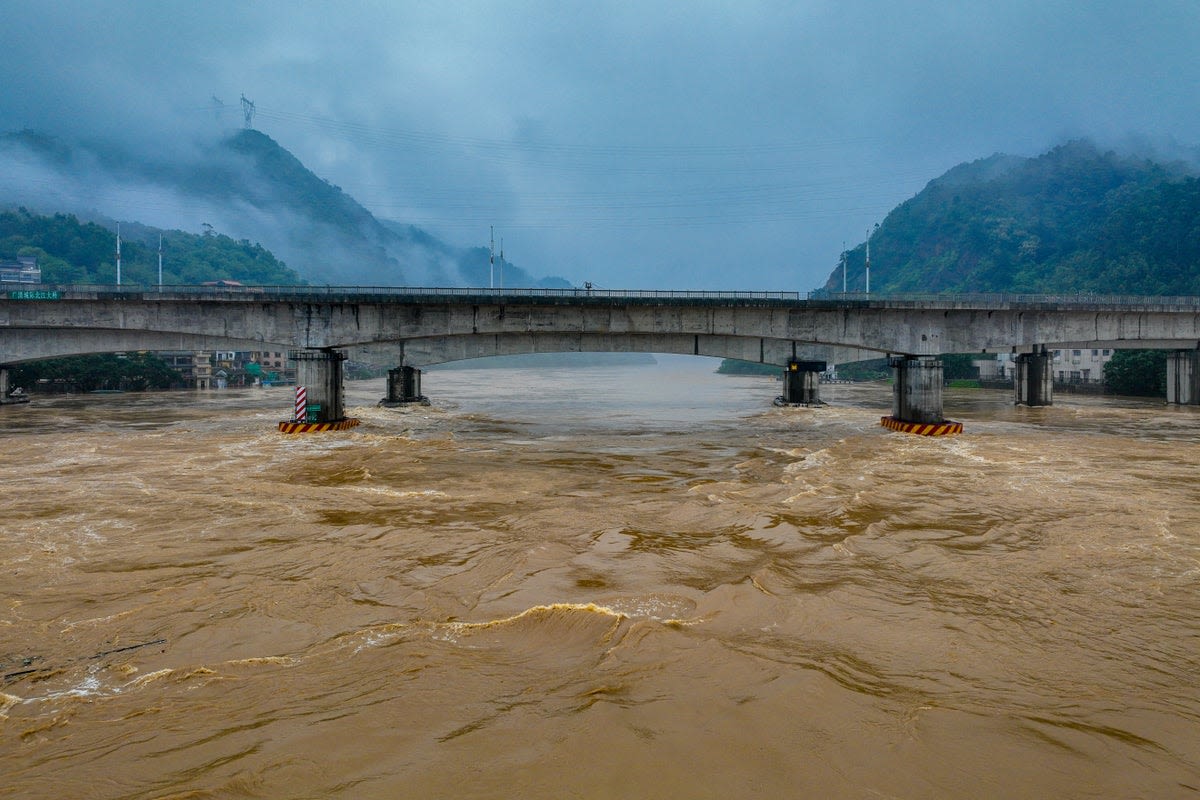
[{"x": 626, "y": 581}]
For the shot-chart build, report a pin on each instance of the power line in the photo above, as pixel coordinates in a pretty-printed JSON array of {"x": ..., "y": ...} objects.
[{"x": 371, "y": 133}]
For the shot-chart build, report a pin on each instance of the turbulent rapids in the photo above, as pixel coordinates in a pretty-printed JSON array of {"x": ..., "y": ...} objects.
[{"x": 637, "y": 581}]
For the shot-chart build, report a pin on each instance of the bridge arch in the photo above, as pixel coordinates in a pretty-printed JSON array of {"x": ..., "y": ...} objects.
[
  {"x": 428, "y": 351},
  {"x": 62, "y": 342},
  {"x": 37, "y": 324},
  {"x": 413, "y": 327}
]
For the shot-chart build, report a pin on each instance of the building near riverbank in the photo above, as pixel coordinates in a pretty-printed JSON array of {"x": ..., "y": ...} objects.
[
  {"x": 22, "y": 269},
  {"x": 1080, "y": 365}
]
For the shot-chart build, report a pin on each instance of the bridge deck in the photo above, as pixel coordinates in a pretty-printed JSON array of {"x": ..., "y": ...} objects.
[
  {"x": 420, "y": 294},
  {"x": 425, "y": 325}
]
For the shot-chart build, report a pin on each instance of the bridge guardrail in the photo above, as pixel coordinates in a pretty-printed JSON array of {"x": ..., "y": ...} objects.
[
  {"x": 402, "y": 291},
  {"x": 24, "y": 291},
  {"x": 992, "y": 299}
]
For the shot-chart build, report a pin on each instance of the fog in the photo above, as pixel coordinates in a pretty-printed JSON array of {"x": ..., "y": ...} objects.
[{"x": 671, "y": 145}]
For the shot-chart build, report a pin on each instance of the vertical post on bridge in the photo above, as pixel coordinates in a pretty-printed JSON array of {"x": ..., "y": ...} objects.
[{"x": 319, "y": 381}]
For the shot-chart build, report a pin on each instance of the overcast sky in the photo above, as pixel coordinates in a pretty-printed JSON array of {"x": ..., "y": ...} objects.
[{"x": 691, "y": 144}]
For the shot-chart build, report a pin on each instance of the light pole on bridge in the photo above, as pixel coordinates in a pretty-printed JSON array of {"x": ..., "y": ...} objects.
[
  {"x": 868, "y": 263},
  {"x": 843, "y": 267}
]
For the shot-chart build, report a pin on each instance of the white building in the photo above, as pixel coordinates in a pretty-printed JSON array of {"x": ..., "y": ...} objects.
[
  {"x": 1083, "y": 365},
  {"x": 23, "y": 270}
]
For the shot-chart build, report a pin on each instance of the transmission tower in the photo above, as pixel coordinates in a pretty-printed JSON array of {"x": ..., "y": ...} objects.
[{"x": 248, "y": 112}]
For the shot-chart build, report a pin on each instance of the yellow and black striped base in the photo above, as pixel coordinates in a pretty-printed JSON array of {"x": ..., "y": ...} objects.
[
  {"x": 945, "y": 428},
  {"x": 317, "y": 427}
]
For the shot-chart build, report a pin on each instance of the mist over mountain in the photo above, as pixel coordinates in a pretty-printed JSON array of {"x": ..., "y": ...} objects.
[
  {"x": 248, "y": 187},
  {"x": 1076, "y": 219}
]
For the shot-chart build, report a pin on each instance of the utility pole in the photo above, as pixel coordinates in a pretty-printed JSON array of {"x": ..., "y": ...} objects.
[
  {"x": 868, "y": 260},
  {"x": 843, "y": 267},
  {"x": 869, "y": 232},
  {"x": 247, "y": 113}
]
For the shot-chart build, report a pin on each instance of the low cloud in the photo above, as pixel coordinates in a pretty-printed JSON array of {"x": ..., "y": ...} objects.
[{"x": 641, "y": 146}]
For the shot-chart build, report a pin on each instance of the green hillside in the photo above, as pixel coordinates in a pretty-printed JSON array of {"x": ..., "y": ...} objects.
[
  {"x": 1073, "y": 220},
  {"x": 70, "y": 251},
  {"x": 275, "y": 168},
  {"x": 249, "y": 185}
]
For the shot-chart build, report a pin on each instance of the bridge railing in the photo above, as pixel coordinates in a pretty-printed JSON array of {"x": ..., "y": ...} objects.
[
  {"x": 25, "y": 291},
  {"x": 995, "y": 299},
  {"x": 395, "y": 291}
]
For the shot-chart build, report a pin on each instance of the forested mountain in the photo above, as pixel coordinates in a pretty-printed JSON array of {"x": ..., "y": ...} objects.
[
  {"x": 1076, "y": 219},
  {"x": 249, "y": 188},
  {"x": 70, "y": 251}
]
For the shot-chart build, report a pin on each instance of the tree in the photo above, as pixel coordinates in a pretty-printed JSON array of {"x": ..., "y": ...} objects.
[
  {"x": 1137, "y": 372},
  {"x": 734, "y": 366},
  {"x": 875, "y": 369},
  {"x": 69, "y": 251},
  {"x": 132, "y": 371},
  {"x": 1076, "y": 219},
  {"x": 958, "y": 366}
]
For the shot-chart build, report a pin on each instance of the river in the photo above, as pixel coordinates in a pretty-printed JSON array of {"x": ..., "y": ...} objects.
[{"x": 624, "y": 581}]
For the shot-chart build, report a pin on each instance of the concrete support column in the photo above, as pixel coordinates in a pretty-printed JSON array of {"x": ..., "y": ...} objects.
[
  {"x": 5, "y": 390},
  {"x": 320, "y": 373},
  {"x": 1033, "y": 379},
  {"x": 403, "y": 386},
  {"x": 802, "y": 383},
  {"x": 917, "y": 389},
  {"x": 1183, "y": 377}
]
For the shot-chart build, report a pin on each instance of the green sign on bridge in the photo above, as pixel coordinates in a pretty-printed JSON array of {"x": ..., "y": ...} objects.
[{"x": 34, "y": 294}]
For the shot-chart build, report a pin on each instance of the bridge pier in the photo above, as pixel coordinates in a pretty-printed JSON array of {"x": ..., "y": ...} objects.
[
  {"x": 403, "y": 387},
  {"x": 1033, "y": 379},
  {"x": 917, "y": 397},
  {"x": 9, "y": 396},
  {"x": 802, "y": 383},
  {"x": 320, "y": 393},
  {"x": 1183, "y": 378}
]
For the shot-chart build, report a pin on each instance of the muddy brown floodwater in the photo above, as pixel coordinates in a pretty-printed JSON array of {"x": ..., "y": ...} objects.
[{"x": 626, "y": 581}]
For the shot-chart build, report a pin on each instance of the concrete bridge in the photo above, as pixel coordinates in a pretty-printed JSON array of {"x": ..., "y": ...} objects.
[{"x": 414, "y": 327}]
